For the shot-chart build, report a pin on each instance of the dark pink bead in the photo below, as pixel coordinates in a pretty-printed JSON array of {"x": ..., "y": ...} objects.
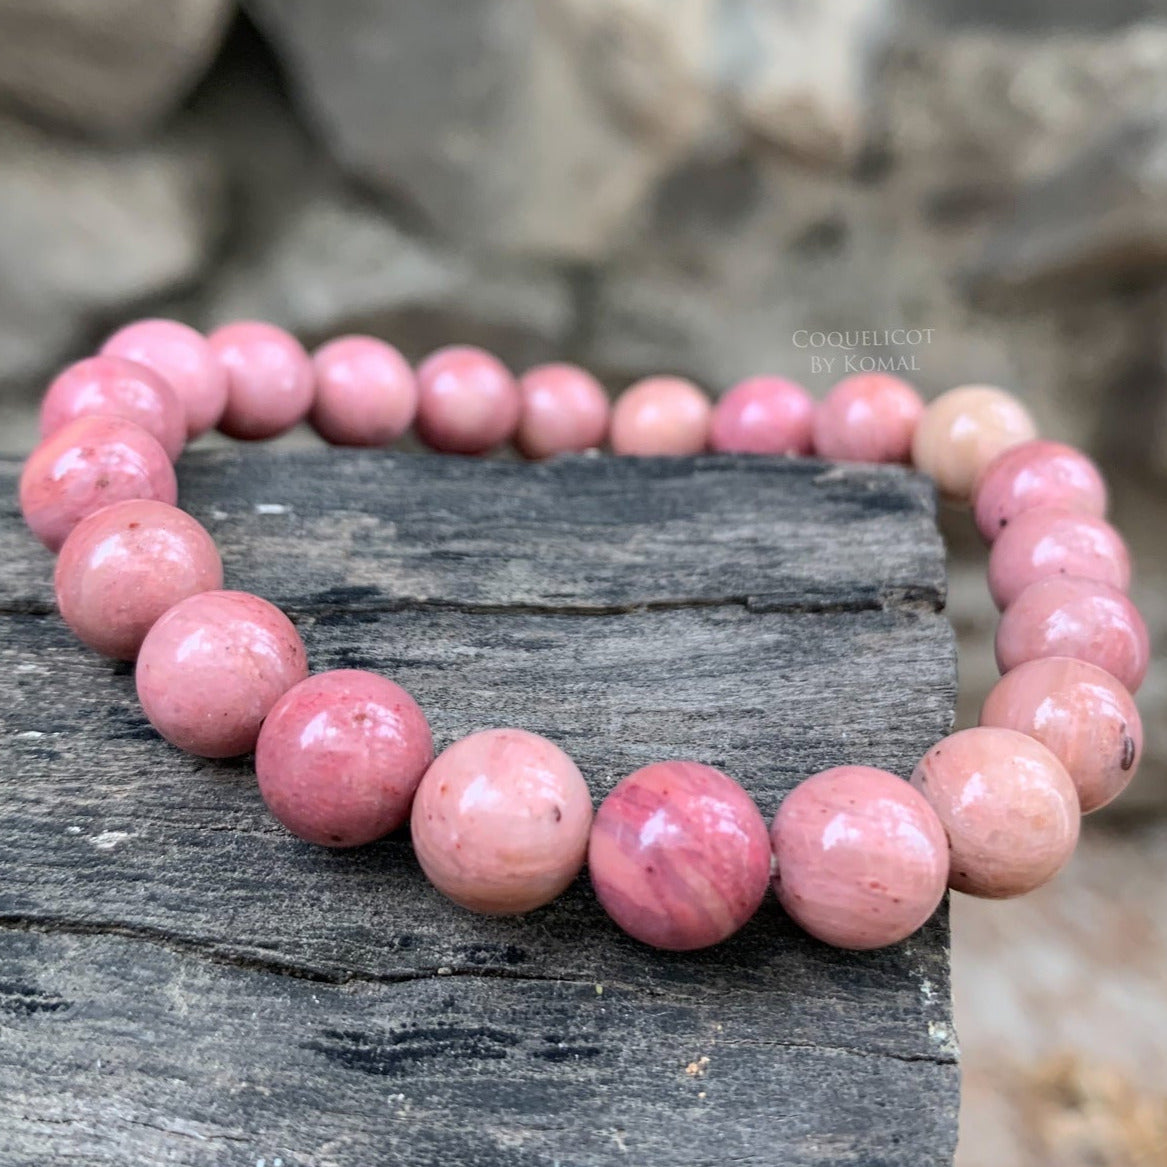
[
  {"x": 366, "y": 393},
  {"x": 468, "y": 402},
  {"x": 679, "y": 855},
  {"x": 661, "y": 416},
  {"x": 870, "y": 417},
  {"x": 565, "y": 410},
  {"x": 763, "y": 415}
]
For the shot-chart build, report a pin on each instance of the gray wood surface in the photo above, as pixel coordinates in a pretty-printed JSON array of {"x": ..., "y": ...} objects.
[{"x": 183, "y": 982}]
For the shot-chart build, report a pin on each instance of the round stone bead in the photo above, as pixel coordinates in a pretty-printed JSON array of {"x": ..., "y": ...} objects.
[
  {"x": 1063, "y": 615},
  {"x": 86, "y": 465},
  {"x": 870, "y": 417},
  {"x": 212, "y": 667},
  {"x": 1008, "y": 807},
  {"x": 1081, "y": 714},
  {"x": 963, "y": 430},
  {"x": 468, "y": 402},
  {"x": 181, "y": 356},
  {"x": 1036, "y": 474},
  {"x": 115, "y": 387},
  {"x": 661, "y": 416},
  {"x": 500, "y": 822},
  {"x": 366, "y": 393},
  {"x": 763, "y": 415},
  {"x": 340, "y": 756},
  {"x": 125, "y": 565},
  {"x": 679, "y": 855},
  {"x": 861, "y": 860},
  {"x": 271, "y": 382},
  {"x": 564, "y": 410}
]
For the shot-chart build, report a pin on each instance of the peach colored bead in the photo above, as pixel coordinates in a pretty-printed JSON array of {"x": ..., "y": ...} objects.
[
  {"x": 86, "y": 465},
  {"x": 116, "y": 387},
  {"x": 661, "y": 416},
  {"x": 861, "y": 860},
  {"x": 366, "y": 393},
  {"x": 1081, "y": 714},
  {"x": 1063, "y": 615},
  {"x": 500, "y": 822},
  {"x": 870, "y": 417},
  {"x": 271, "y": 382},
  {"x": 1008, "y": 806},
  {"x": 468, "y": 402},
  {"x": 565, "y": 409},
  {"x": 1036, "y": 474},
  {"x": 963, "y": 430},
  {"x": 212, "y": 667},
  {"x": 763, "y": 415},
  {"x": 125, "y": 565},
  {"x": 183, "y": 358}
]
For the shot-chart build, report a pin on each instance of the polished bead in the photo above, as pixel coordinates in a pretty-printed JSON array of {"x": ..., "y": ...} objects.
[
  {"x": 1063, "y": 615},
  {"x": 468, "y": 402},
  {"x": 1081, "y": 714},
  {"x": 366, "y": 393},
  {"x": 963, "y": 430},
  {"x": 679, "y": 855},
  {"x": 870, "y": 417},
  {"x": 187, "y": 362},
  {"x": 125, "y": 565},
  {"x": 86, "y": 465},
  {"x": 564, "y": 410},
  {"x": 661, "y": 415},
  {"x": 763, "y": 415},
  {"x": 340, "y": 756},
  {"x": 1008, "y": 806},
  {"x": 1036, "y": 474},
  {"x": 116, "y": 387},
  {"x": 500, "y": 822},
  {"x": 211, "y": 669}
]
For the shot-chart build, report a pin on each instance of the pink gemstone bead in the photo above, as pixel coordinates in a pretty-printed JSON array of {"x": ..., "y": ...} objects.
[
  {"x": 211, "y": 669},
  {"x": 183, "y": 358},
  {"x": 115, "y": 387},
  {"x": 1008, "y": 806},
  {"x": 661, "y": 416},
  {"x": 870, "y": 417},
  {"x": 1036, "y": 474},
  {"x": 861, "y": 860},
  {"x": 468, "y": 402},
  {"x": 565, "y": 409},
  {"x": 125, "y": 565},
  {"x": 763, "y": 415},
  {"x": 1081, "y": 714},
  {"x": 1063, "y": 615},
  {"x": 340, "y": 756},
  {"x": 271, "y": 382},
  {"x": 500, "y": 822},
  {"x": 679, "y": 855},
  {"x": 366, "y": 393},
  {"x": 86, "y": 465}
]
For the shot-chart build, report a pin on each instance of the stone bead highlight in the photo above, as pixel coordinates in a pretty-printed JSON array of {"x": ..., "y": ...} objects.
[
  {"x": 211, "y": 669},
  {"x": 366, "y": 393},
  {"x": 1081, "y": 714},
  {"x": 500, "y": 822},
  {"x": 661, "y": 416},
  {"x": 564, "y": 410},
  {"x": 125, "y": 565},
  {"x": 763, "y": 415},
  {"x": 468, "y": 402},
  {"x": 86, "y": 465},
  {"x": 1008, "y": 806},
  {"x": 340, "y": 756},
  {"x": 679, "y": 855},
  {"x": 870, "y": 417}
]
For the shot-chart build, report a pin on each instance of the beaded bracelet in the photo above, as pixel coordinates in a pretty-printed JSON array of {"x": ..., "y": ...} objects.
[{"x": 502, "y": 820}]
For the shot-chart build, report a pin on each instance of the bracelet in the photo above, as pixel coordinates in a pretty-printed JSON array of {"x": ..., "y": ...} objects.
[{"x": 502, "y": 820}]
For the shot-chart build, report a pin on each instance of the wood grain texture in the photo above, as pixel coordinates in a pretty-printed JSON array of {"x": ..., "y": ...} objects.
[{"x": 181, "y": 981}]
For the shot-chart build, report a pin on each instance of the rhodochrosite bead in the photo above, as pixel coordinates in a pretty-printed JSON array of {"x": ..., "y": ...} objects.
[
  {"x": 679, "y": 855},
  {"x": 861, "y": 860},
  {"x": 86, "y": 465},
  {"x": 366, "y": 393},
  {"x": 340, "y": 756},
  {"x": 659, "y": 416},
  {"x": 124, "y": 566},
  {"x": 763, "y": 415},
  {"x": 564, "y": 409},
  {"x": 211, "y": 669},
  {"x": 500, "y": 822},
  {"x": 467, "y": 403},
  {"x": 870, "y": 417},
  {"x": 1008, "y": 806}
]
